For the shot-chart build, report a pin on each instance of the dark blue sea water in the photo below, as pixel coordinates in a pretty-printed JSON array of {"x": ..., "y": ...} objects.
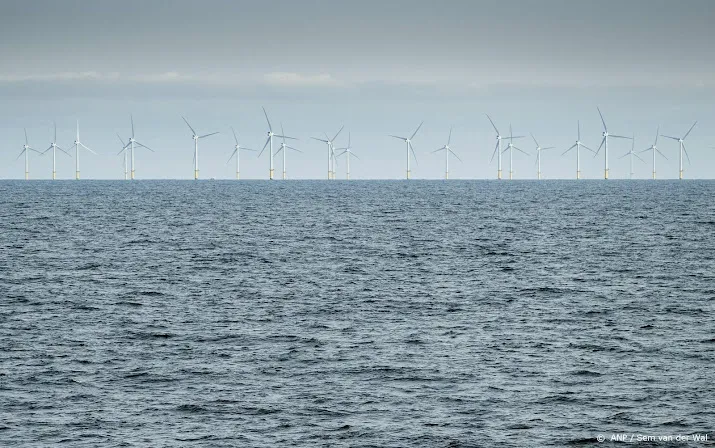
[{"x": 366, "y": 313}]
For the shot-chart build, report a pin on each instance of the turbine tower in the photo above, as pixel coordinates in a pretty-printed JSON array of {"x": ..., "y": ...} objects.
[
  {"x": 132, "y": 142},
  {"x": 604, "y": 143},
  {"x": 654, "y": 148},
  {"x": 26, "y": 148},
  {"x": 408, "y": 143},
  {"x": 578, "y": 146},
  {"x": 510, "y": 147},
  {"x": 76, "y": 145},
  {"x": 681, "y": 142},
  {"x": 237, "y": 152},
  {"x": 331, "y": 151},
  {"x": 538, "y": 156},
  {"x": 348, "y": 153},
  {"x": 124, "y": 146},
  {"x": 196, "y": 138},
  {"x": 497, "y": 148},
  {"x": 447, "y": 150},
  {"x": 270, "y": 141},
  {"x": 632, "y": 153},
  {"x": 53, "y": 146},
  {"x": 285, "y": 149}
]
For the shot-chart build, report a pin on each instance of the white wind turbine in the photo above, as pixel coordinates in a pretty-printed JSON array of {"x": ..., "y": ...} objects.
[
  {"x": 76, "y": 145},
  {"x": 447, "y": 150},
  {"x": 285, "y": 149},
  {"x": 408, "y": 143},
  {"x": 331, "y": 151},
  {"x": 269, "y": 141},
  {"x": 632, "y": 153},
  {"x": 237, "y": 152},
  {"x": 196, "y": 138},
  {"x": 538, "y": 156},
  {"x": 53, "y": 146},
  {"x": 132, "y": 142},
  {"x": 604, "y": 142},
  {"x": 510, "y": 147},
  {"x": 654, "y": 148},
  {"x": 26, "y": 148},
  {"x": 578, "y": 146},
  {"x": 348, "y": 151},
  {"x": 124, "y": 145},
  {"x": 497, "y": 148},
  {"x": 681, "y": 142}
]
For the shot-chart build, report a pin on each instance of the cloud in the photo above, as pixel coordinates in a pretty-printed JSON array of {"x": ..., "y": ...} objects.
[{"x": 290, "y": 79}]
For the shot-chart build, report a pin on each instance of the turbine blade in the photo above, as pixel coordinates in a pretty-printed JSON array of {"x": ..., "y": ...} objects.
[
  {"x": 619, "y": 136},
  {"x": 124, "y": 145},
  {"x": 208, "y": 135},
  {"x": 144, "y": 146},
  {"x": 132, "y": 120},
  {"x": 231, "y": 157},
  {"x": 285, "y": 136},
  {"x": 401, "y": 138},
  {"x": 87, "y": 148},
  {"x": 517, "y": 136},
  {"x": 584, "y": 146},
  {"x": 691, "y": 128},
  {"x": 246, "y": 149},
  {"x": 294, "y": 149},
  {"x": 656, "y": 136},
  {"x": 264, "y": 147},
  {"x": 548, "y": 147},
  {"x": 25, "y": 136},
  {"x": 70, "y": 155},
  {"x": 336, "y": 135},
  {"x": 319, "y": 139},
  {"x": 535, "y": 142},
  {"x": 686, "y": 153},
  {"x": 270, "y": 128},
  {"x": 439, "y": 149},
  {"x": 455, "y": 155},
  {"x": 21, "y": 153},
  {"x": 639, "y": 158},
  {"x": 605, "y": 128},
  {"x": 234, "y": 135},
  {"x": 600, "y": 146},
  {"x": 572, "y": 147},
  {"x": 351, "y": 154},
  {"x": 413, "y": 150},
  {"x": 449, "y": 139},
  {"x": 496, "y": 148},
  {"x": 284, "y": 133},
  {"x": 578, "y": 123},
  {"x": 187, "y": 124},
  {"x": 415, "y": 133},
  {"x": 493, "y": 125},
  {"x": 521, "y": 151},
  {"x": 55, "y": 140},
  {"x": 661, "y": 154},
  {"x": 626, "y": 154},
  {"x": 668, "y": 136}
]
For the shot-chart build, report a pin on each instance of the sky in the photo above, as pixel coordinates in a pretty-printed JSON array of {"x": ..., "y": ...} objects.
[{"x": 375, "y": 67}]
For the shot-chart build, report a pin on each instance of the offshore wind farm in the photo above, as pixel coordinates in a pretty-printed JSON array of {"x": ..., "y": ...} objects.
[
  {"x": 128, "y": 151},
  {"x": 404, "y": 223}
]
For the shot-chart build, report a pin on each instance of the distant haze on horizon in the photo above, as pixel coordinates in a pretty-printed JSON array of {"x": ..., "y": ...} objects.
[{"x": 377, "y": 67}]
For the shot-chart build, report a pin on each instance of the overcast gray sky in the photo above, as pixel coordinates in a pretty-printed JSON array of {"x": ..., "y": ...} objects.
[{"x": 378, "y": 67}]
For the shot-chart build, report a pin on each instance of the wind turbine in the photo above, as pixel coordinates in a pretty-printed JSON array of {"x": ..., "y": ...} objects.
[
  {"x": 348, "y": 153},
  {"x": 285, "y": 149},
  {"x": 604, "y": 142},
  {"x": 54, "y": 148},
  {"x": 538, "y": 156},
  {"x": 133, "y": 142},
  {"x": 578, "y": 146},
  {"x": 270, "y": 141},
  {"x": 510, "y": 147},
  {"x": 632, "y": 153},
  {"x": 76, "y": 145},
  {"x": 26, "y": 148},
  {"x": 408, "y": 143},
  {"x": 447, "y": 150},
  {"x": 654, "y": 148},
  {"x": 237, "y": 152},
  {"x": 331, "y": 151},
  {"x": 196, "y": 138},
  {"x": 124, "y": 146},
  {"x": 497, "y": 148},
  {"x": 681, "y": 142}
]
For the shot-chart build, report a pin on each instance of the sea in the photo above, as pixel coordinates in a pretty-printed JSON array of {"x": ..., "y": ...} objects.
[{"x": 356, "y": 313}]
